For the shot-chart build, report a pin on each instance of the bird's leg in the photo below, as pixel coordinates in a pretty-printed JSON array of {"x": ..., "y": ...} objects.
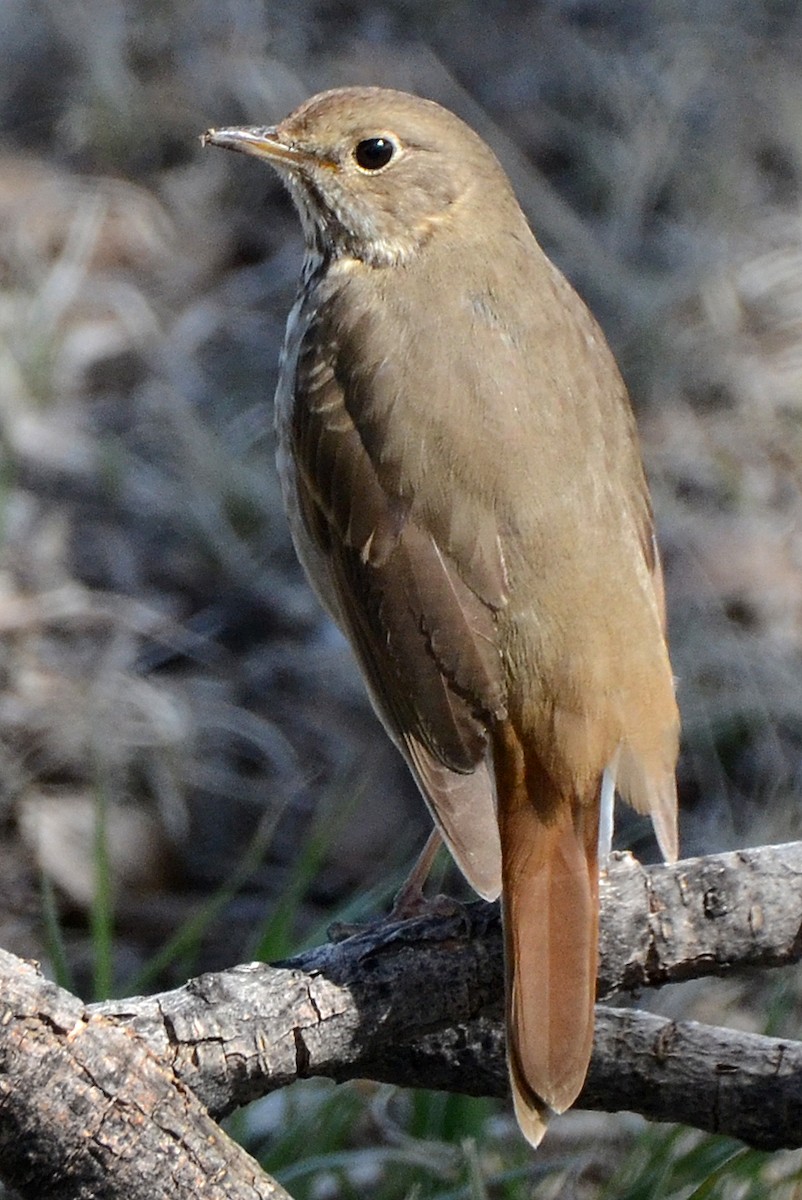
[{"x": 409, "y": 901}]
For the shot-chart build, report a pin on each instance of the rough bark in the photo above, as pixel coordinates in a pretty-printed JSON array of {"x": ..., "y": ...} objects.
[
  {"x": 704, "y": 916},
  {"x": 87, "y": 1110}
]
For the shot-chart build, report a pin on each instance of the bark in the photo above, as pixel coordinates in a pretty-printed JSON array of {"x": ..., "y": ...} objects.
[
  {"x": 87, "y": 1110},
  {"x": 417, "y": 1003}
]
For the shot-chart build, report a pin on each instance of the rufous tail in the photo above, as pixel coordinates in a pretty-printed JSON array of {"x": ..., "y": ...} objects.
[{"x": 550, "y": 898}]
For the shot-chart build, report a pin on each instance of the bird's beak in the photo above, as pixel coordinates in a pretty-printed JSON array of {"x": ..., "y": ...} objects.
[{"x": 261, "y": 142}]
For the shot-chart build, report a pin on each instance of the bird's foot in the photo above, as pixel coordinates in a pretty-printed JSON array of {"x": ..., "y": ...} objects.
[
  {"x": 408, "y": 905},
  {"x": 410, "y": 900}
]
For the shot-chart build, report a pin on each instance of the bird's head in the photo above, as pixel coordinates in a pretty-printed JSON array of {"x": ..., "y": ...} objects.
[{"x": 376, "y": 174}]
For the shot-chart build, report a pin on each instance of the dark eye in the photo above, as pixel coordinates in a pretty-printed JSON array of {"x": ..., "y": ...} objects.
[{"x": 374, "y": 153}]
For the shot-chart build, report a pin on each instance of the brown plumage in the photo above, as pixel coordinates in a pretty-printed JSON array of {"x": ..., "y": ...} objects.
[{"x": 463, "y": 481}]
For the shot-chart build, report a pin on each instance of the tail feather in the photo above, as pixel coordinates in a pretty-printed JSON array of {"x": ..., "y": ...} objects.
[
  {"x": 551, "y": 928},
  {"x": 551, "y": 922},
  {"x": 652, "y": 788}
]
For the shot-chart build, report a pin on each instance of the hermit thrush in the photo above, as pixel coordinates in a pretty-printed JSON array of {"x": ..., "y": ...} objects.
[{"x": 464, "y": 486}]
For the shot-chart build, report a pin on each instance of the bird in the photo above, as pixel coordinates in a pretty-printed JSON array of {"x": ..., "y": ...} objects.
[{"x": 465, "y": 490}]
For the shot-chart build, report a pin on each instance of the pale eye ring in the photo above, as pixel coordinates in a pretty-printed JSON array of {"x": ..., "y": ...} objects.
[{"x": 374, "y": 153}]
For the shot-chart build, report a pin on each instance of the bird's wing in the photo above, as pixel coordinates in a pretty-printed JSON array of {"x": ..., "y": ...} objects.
[{"x": 422, "y": 629}]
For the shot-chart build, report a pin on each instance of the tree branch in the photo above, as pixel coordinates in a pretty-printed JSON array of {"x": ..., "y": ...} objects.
[
  {"x": 417, "y": 1003},
  {"x": 699, "y": 917},
  {"x": 87, "y": 1109}
]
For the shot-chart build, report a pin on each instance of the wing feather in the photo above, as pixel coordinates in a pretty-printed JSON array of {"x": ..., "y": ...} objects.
[{"x": 420, "y": 622}]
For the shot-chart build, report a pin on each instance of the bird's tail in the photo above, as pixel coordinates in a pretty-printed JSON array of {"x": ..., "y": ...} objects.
[{"x": 550, "y": 899}]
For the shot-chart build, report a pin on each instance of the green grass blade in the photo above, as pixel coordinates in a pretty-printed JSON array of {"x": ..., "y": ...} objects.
[
  {"x": 54, "y": 937},
  {"x": 101, "y": 913}
]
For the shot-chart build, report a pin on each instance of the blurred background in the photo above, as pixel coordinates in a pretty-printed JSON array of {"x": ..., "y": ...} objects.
[{"x": 190, "y": 773}]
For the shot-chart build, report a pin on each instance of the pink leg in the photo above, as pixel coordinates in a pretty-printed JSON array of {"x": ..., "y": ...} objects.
[{"x": 410, "y": 900}]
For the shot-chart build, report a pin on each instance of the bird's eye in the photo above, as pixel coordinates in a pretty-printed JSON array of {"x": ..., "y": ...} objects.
[{"x": 374, "y": 153}]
